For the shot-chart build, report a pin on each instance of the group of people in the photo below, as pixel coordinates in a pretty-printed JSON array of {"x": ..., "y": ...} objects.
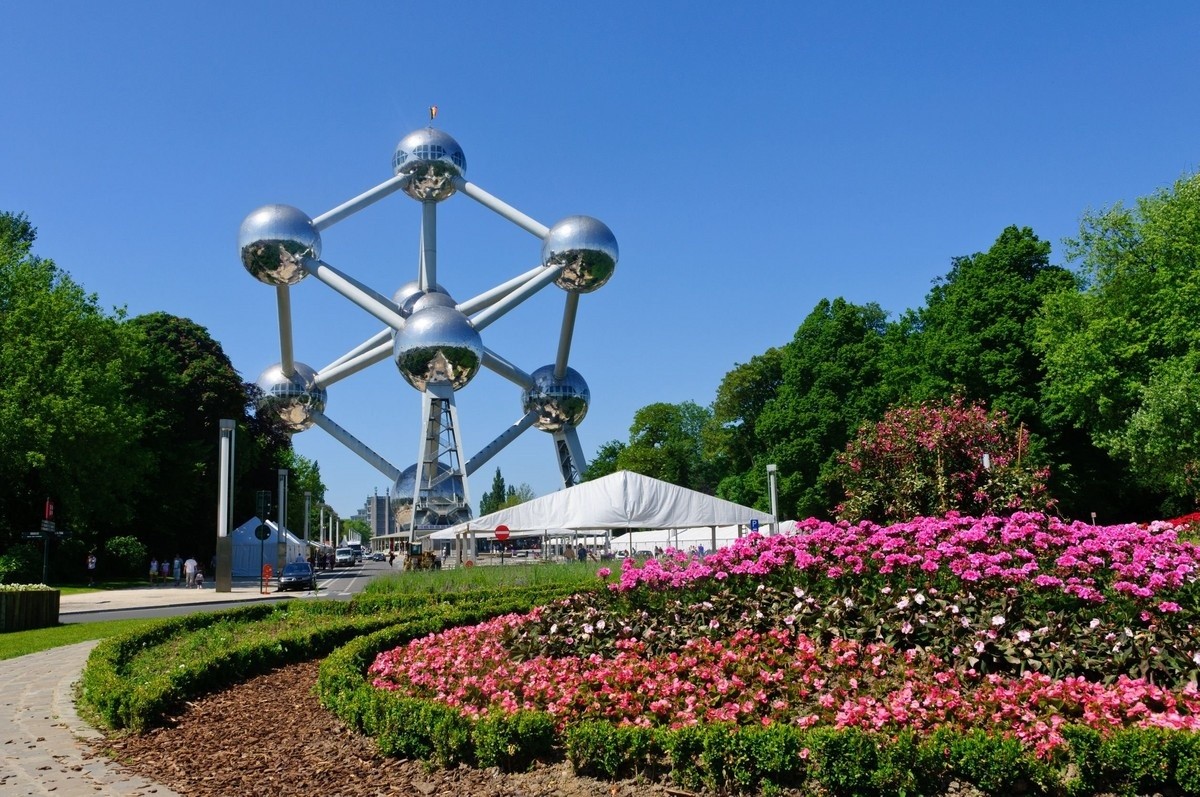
[{"x": 183, "y": 571}]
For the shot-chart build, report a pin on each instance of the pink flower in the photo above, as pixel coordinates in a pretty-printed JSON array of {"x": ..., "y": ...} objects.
[{"x": 604, "y": 572}]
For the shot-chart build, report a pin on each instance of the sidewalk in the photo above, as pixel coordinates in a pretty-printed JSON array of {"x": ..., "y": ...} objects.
[
  {"x": 41, "y": 752},
  {"x": 168, "y": 595}
]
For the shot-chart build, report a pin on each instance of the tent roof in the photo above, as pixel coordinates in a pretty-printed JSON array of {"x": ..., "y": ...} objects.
[{"x": 621, "y": 500}]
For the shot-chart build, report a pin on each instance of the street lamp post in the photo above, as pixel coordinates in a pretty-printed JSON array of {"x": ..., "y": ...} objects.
[
  {"x": 307, "y": 512},
  {"x": 771, "y": 471}
]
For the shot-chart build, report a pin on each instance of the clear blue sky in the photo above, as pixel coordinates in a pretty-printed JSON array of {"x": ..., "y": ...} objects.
[{"x": 751, "y": 161}]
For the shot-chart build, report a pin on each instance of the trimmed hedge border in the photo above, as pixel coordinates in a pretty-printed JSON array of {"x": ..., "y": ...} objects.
[
  {"x": 120, "y": 703},
  {"x": 715, "y": 757}
]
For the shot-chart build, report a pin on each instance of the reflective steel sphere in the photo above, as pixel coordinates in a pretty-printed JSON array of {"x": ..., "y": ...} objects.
[
  {"x": 432, "y": 158},
  {"x": 558, "y": 402},
  {"x": 444, "y": 505},
  {"x": 274, "y": 240},
  {"x": 586, "y": 249},
  {"x": 432, "y": 299},
  {"x": 291, "y": 400},
  {"x": 438, "y": 345},
  {"x": 408, "y": 293}
]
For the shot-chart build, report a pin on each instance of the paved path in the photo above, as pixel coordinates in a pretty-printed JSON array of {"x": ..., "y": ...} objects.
[{"x": 41, "y": 747}]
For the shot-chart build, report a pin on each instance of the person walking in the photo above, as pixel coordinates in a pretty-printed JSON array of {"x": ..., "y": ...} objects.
[
  {"x": 91, "y": 568},
  {"x": 189, "y": 569},
  {"x": 177, "y": 569},
  {"x": 153, "y": 570}
]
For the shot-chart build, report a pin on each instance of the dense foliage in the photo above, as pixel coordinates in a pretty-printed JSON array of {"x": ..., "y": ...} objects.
[
  {"x": 1099, "y": 369},
  {"x": 934, "y": 458},
  {"x": 114, "y": 420}
]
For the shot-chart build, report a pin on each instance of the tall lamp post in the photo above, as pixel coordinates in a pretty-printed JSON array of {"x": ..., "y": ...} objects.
[{"x": 771, "y": 471}]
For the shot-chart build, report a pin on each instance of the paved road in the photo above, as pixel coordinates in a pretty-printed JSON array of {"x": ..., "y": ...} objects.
[{"x": 42, "y": 751}]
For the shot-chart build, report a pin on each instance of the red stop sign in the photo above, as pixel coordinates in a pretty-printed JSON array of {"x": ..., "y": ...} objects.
[{"x": 502, "y": 533}]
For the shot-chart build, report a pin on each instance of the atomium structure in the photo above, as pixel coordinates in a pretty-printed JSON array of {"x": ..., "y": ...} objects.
[{"x": 435, "y": 341}]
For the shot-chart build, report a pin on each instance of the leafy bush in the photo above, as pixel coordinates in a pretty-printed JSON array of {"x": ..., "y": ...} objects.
[
  {"x": 125, "y": 556},
  {"x": 22, "y": 563},
  {"x": 513, "y": 741}
]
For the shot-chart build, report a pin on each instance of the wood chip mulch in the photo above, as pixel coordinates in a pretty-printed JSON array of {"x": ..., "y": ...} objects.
[{"x": 271, "y": 737}]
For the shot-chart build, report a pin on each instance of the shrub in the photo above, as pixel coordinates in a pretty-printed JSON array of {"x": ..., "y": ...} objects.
[
  {"x": 513, "y": 741},
  {"x": 126, "y": 556}
]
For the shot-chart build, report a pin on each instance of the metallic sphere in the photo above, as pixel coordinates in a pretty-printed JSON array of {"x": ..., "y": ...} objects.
[
  {"x": 408, "y": 293},
  {"x": 433, "y": 299},
  {"x": 433, "y": 158},
  {"x": 585, "y": 248},
  {"x": 291, "y": 399},
  {"x": 273, "y": 242},
  {"x": 558, "y": 402},
  {"x": 444, "y": 503},
  {"x": 438, "y": 345}
]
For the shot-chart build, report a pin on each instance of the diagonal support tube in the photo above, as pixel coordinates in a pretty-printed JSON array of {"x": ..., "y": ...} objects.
[
  {"x": 365, "y": 199},
  {"x": 504, "y": 209}
]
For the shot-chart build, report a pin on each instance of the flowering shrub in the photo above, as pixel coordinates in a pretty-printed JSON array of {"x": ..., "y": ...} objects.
[
  {"x": 928, "y": 459},
  {"x": 1027, "y": 624}
]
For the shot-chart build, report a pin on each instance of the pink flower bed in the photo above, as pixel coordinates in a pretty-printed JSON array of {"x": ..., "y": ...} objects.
[
  {"x": 1071, "y": 557},
  {"x": 723, "y": 659}
]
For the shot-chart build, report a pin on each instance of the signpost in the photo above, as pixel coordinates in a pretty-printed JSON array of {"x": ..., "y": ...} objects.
[
  {"x": 263, "y": 532},
  {"x": 501, "y": 536},
  {"x": 754, "y": 524}
]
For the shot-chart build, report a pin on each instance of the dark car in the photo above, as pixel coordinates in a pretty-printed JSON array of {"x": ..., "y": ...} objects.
[{"x": 297, "y": 575}]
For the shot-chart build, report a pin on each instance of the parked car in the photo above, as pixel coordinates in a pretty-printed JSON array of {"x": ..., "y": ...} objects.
[
  {"x": 378, "y": 556},
  {"x": 297, "y": 575},
  {"x": 343, "y": 557}
]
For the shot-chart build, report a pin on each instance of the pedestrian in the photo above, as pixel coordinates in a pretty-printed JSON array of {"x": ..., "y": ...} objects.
[
  {"x": 581, "y": 553},
  {"x": 177, "y": 569},
  {"x": 164, "y": 568},
  {"x": 392, "y": 558},
  {"x": 153, "y": 570},
  {"x": 189, "y": 568},
  {"x": 199, "y": 579},
  {"x": 91, "y": 568}
]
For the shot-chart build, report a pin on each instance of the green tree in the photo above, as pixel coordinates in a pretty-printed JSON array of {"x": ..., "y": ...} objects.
[
  {"x": 666, "y": 442},
  {"x": 492, "y": 500},
  {"x": 605, "y": 461},
  {"x": 1121, "y": 355},
  {"x": 732, "y": 441},
  {"x": 517, "y": 495},
  {"x": 66, "y": 424},
  {"x": 831, "y": 377},
  {"x": 184, "y": 385},
  {"x": 978, "y": 326}
]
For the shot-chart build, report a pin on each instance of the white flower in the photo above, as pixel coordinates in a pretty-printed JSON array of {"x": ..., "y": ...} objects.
[
  {"x": 600, "y": 625},
  {"x": 1094, "y": 623},
  {"x": 554, "y": 628},
  {"x": 920, "y": 599},
  {"x": 849, "y": 603},
  {"x": 587, "y": 628},
  {"x": 902, "y": 603},
  {"x": 998, "y": 620},
  {"x": 1129, "y": 633},
  {"x": 1023, "y": 635}
]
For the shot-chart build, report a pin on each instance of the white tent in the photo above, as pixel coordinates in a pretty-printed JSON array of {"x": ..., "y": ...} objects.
[
  {"x": 621, "y": 500},
  {"x": 249, "y": 553}
]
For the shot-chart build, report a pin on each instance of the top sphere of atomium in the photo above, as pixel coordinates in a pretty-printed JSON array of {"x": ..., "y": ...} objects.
[
  {"x": 433, "y": 158},
  {"x": 585, "y": 248},
  {"x": 273, "y": 242},
  {"x": 437, "y": 346},
  {"x": 292, "y": 399},
  {"x": 558, "y": 402}
]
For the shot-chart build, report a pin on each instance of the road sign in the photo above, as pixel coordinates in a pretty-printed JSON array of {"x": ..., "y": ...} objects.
[
  {"x": 263, "y": 532},
  {"x": 502, "y": 533},
  {"x": 754, "y": 524},
  {"x": 47, "y": 525},
  {"x": 31, "y": 535}
]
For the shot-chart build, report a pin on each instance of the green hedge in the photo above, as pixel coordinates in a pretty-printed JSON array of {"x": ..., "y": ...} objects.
[{"x": 716, "y": 758}]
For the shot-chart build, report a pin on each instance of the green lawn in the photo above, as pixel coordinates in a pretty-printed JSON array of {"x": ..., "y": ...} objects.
[{"x": 20, "y": 643}]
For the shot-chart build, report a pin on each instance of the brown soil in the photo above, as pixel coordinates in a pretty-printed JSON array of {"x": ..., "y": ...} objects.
[{"x": 271, "y": 737}]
